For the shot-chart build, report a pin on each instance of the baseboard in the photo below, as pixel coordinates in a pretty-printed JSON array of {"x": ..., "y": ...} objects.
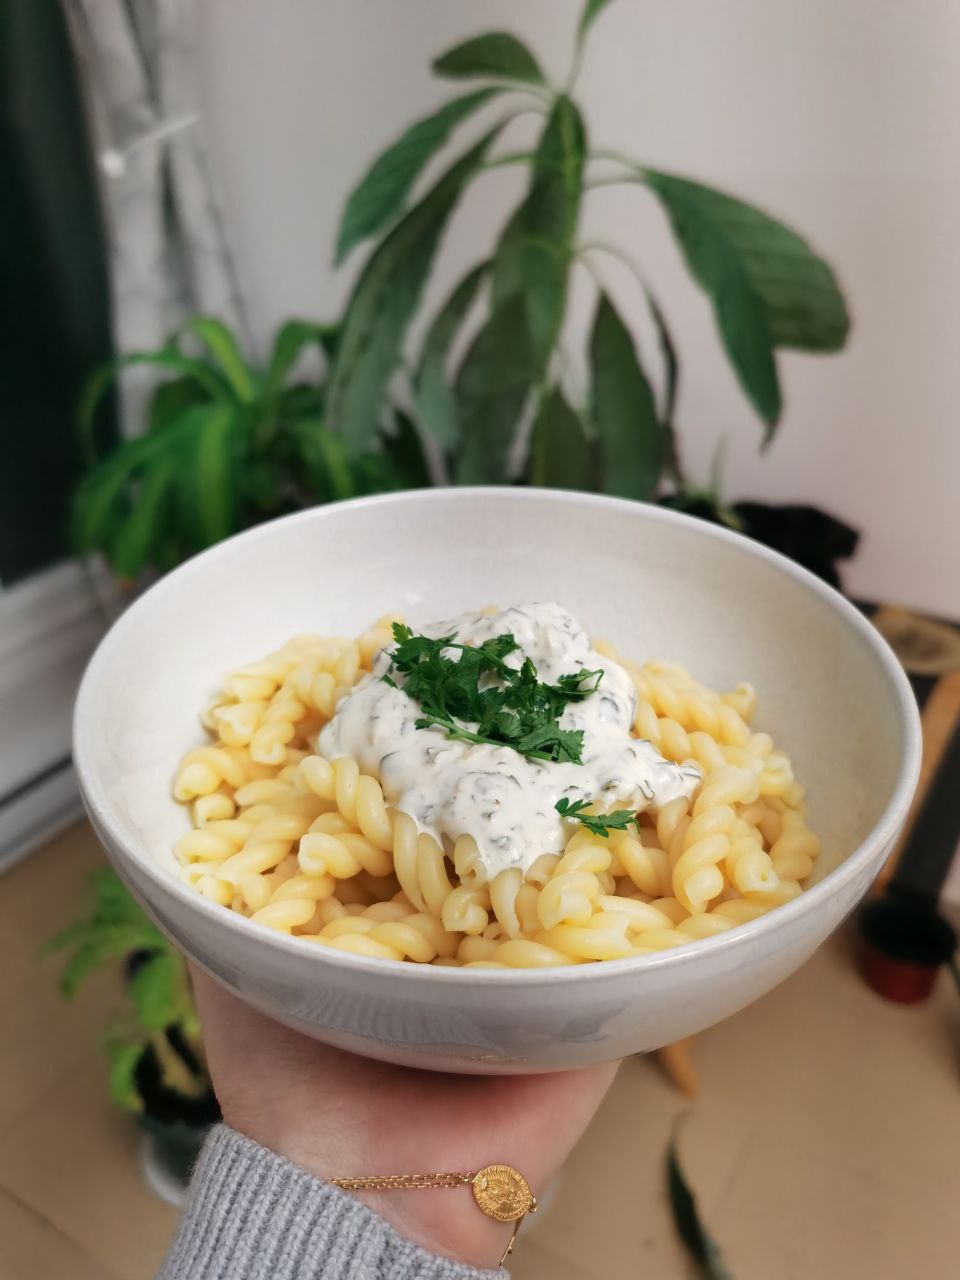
[
  {"x": 49, "y": 626},
  {"x": 37, "y": 813}
]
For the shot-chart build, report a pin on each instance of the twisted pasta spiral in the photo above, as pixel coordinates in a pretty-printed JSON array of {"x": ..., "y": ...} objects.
[{"x": 309, "y": 846}]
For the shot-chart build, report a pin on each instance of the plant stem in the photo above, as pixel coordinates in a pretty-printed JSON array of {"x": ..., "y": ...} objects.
[
  {"x": 635, "y": 174},
  {"x": 592, "y": 184},
  {"x": 544, "y": 94},
  {"x": 575, "y": 68},
  {"x": 512, "y": 157},
  {"x": 614, "y": 251},
  {"x": 671, "y": 456},
  {"x": 617, "y": 157},
  {"x": 717, "y": 467}
]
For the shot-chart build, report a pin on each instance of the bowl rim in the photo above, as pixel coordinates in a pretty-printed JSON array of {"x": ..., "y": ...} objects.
[{"x": 881, "y": 835}]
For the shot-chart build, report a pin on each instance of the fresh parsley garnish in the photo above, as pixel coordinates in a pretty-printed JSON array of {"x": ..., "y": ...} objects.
[
  {"x": 599, "y": 824},
  {"x": 458, "y": 685}
]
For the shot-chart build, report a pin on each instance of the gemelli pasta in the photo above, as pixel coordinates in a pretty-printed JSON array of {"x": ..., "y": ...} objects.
[{"x": 303, "y": 840}]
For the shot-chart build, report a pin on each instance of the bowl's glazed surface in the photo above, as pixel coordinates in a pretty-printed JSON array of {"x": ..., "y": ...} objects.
[{"x": 654, "y": 583}]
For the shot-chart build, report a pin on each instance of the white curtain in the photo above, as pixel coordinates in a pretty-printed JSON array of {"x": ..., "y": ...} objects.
[{"x": 168, "y": 254}]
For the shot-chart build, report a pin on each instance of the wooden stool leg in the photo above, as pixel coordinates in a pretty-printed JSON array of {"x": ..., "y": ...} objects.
[
  {"x": 940, "y": 715},
  {"x": 675, "y": 1062}
]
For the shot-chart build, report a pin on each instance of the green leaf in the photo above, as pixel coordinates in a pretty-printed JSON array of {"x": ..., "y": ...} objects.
[
  {"x": 302, "y": 400},
  {"x": 170, "y": 399},
  {"x": 209, "y": 472},
  {"x": 379, "y": 196},
  {"x": 290, "y": 342},
  {"x": 496, "y": 54},
  {"x": 155, "y": 989},
  {"x": 87, "y": 957},
  {"x": 143, "y": 528},
  {"x": 124, "y": 1058},
  {"x": 768, "y": 288},
  {"x": 115, "y": 927},
  {"x": 101, "y": 944},
  {"x": 687, "y": 1220},
  {"x": 434, "y": 404},
  {"x": 262, "y": 486},
  {"x": 491, "y": 391},
  {"x": 372, "y": 474},
  {"x": 101, "y": 501},
  {"x": 598, "y": 824},
  {"x": 533, "y": 256},
  {"x": 324, "y": 458},
  {"x": 631, "y": 438},
  {"x": 329, "y": 336},
  {"x": 223, "y": 345},
  {"x": 168, "y": 358},
  {"x": 383, "y": 301},
  {"x": 591, "y": 12},
  {"x": 72, "y": 935},
  {"x": 514, "y": 708},
  {"x": 403, "y": 452},
  {"x": 99, "y": 505},
  {"x": 562, "y": 455},
  {"x": 113, "y": 903}
]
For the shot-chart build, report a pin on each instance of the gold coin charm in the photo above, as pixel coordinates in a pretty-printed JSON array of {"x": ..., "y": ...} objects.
[
  {"x": 503, "y": 1193},
  {"x": 500, "y": 1192}
]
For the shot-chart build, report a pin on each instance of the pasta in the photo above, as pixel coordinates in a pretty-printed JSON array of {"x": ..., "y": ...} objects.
[{"x": 309, "y": 846}]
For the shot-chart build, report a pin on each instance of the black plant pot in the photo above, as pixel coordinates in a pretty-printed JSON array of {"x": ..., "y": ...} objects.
[
  {"x": 174, "y": 1124},
  {"x": 811, "y": 537},
  {"x": 169, "y": 1152}
]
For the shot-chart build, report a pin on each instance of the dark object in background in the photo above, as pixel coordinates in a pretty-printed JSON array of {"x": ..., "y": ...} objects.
[
  {"x": 686, "y": 1217},
  {"x": 905, "y": 939},
  {"x": 164, "y": 1104},
  {"x": 54, "y": 298},
  {"x": 905, "y": 943},
  {"x": 175, "y": 1122},
  {"x": 935, "y": 832},
  {"x": 811, "y": 537}
]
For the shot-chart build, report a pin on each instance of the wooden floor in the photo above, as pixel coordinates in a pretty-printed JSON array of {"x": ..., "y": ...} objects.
[{"x": 825, "y": 1144}]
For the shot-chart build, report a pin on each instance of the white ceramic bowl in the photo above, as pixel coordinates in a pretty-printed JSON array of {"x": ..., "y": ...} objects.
[{"x": 656, "y": 584}]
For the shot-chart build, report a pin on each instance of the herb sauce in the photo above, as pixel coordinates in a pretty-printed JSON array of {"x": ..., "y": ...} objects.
[{"x": 505, "y": 800}]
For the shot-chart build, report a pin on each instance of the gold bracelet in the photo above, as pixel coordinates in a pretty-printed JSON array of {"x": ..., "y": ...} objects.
[{"x": 500, "y": 1191}]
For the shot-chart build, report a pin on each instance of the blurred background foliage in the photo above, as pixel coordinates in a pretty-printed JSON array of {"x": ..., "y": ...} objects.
[{"x": 491, "y": 393}]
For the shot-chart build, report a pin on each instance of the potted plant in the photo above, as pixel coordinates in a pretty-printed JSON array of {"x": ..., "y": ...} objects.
[
  {"x": 489, "y": 394},
  {"x": 157, "y": 1069}
]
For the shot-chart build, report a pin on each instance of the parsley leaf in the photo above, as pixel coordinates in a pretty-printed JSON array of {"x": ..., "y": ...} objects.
[
  {"x": 458, "y": 685},
  {"x": 599, "y": 824}
]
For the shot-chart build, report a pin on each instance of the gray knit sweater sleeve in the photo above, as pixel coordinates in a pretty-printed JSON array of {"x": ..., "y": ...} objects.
[{"x": 251, "y": 1215}]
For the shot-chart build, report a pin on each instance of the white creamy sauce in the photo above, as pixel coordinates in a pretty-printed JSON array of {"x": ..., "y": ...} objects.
[{"x": 506, "y": 801}]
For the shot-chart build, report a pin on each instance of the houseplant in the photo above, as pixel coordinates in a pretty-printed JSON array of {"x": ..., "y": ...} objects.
[
  {"x": 156, "y": 1069},
  {"x": 488, "y": 394}
]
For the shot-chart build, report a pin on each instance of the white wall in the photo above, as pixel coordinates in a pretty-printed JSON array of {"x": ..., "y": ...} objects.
[{"x": 839, "y": 115}]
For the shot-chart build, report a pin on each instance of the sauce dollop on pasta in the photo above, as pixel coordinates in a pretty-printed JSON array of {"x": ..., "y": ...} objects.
[{"x": 504, "y": 800}]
